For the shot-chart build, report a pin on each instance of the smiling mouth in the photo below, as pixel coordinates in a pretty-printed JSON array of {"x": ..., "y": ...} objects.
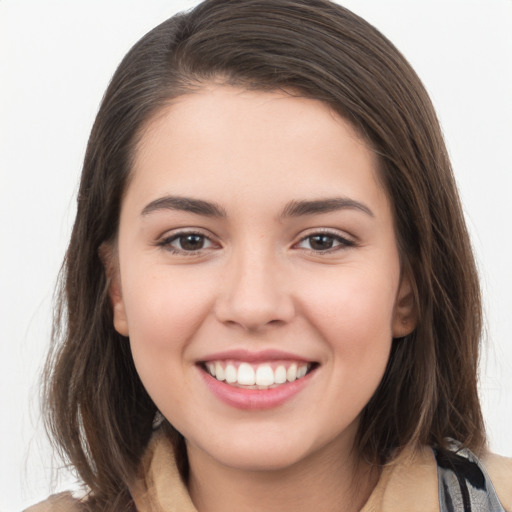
[{"x": 257, "y": 376}]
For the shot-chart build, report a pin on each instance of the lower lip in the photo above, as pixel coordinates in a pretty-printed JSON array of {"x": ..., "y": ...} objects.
[{"x": 254, "y": 399}]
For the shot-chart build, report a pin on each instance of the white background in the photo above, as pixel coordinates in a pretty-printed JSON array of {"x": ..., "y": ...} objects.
[{"x": 56, "y": 58}]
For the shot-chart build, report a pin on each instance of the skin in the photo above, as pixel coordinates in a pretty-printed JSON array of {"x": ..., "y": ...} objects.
[{"x": 260, "y": 282}]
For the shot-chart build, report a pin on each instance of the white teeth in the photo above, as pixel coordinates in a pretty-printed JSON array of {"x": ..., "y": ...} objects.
[
  {"x": 246, "y": 375},
  {"x": 219, "y": 372},
  {"x": 291, "y": 373},
  {"x": 301, "y": 371},
  {"x": 231, "y": 374},
  {"x": 264, "y": 375},
  {"x": 260, "y": 376},
  {"x": 280, "y": 375}
]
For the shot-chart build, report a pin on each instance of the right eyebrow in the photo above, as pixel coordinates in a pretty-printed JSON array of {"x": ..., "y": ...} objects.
[
  {"x": 318, "y": 206},
  {"x": 186, "y": 204}
]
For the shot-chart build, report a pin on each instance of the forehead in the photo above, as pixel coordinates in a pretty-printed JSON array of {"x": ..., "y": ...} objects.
[{"x": 243, "y": 144}]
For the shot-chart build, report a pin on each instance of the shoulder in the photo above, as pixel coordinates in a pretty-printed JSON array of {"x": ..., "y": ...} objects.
[
  {"x": 411, "y": 483},
  {"x": 500, "y": 472},
  {"x": 62, "y": 502}
]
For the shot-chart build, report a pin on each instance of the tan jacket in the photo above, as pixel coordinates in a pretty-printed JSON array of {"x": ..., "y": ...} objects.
[{"x": 409, "y": 485}]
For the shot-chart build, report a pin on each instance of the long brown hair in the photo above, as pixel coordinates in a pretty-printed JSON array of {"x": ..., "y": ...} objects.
[{"x": 97, "y": 408}]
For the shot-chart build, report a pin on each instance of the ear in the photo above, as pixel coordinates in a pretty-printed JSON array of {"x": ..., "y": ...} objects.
[
  {"x": 108, "y": 256},
  {"x": 405, "y": 316}
]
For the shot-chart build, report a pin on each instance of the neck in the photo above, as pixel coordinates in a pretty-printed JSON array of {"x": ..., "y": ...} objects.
[{"x": 329, "y": 480}]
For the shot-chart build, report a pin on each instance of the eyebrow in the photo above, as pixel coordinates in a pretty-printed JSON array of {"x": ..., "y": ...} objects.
[
  {"x": 315, "y": 207},
  {"x": 296, "y": 208},
  {"x": 186, "y": 204}
]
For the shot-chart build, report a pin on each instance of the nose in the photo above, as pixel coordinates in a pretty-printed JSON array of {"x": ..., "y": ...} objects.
[{"x": 254, "y": 293}]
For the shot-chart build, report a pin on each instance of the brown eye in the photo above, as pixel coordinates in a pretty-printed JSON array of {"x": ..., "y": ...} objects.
[
  {"x": 186, "y": 243},
  {"x": 324, "y": 242},
  {"x": 191, "y": 242},
  {"x": 321, "y": 242}
]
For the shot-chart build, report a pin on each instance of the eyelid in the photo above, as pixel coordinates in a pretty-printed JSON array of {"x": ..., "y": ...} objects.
[
  {"x": 164, "y": 241},
  {"x": 344, "y": 240}
]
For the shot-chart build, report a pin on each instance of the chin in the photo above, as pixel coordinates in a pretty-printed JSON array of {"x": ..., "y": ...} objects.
[
  {"x": 255, "y": 452},
  {"x": 258, "y": 458}
]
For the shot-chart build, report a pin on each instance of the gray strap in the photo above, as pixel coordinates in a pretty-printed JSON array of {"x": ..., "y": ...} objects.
[{"x": 464, "y": 485}]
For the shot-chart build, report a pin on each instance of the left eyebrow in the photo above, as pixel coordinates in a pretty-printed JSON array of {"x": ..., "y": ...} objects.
[
  {"x": 185, "y": 204},
  {"x": 318, "y": 206}
]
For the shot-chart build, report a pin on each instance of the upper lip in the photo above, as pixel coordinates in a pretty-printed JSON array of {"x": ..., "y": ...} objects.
[{"x": 253, "y": 357}]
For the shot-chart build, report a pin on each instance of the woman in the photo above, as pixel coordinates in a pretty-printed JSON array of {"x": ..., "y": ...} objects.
[{"x": 270, "y": 296}]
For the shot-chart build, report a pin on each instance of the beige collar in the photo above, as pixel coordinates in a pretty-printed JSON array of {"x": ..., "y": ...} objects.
[
  {"x": 408, "y": 485},
  {"x": 160, "y": 487}
]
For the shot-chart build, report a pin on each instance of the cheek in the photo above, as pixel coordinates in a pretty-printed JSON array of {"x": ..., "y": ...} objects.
[
  {"x": 164, "y": 310},
  {"x": 354, "y": 322},
  {"x": 353, "y": 313},
  {"x": 355, "y": 299},
  {"x": 163, "y": 306}
]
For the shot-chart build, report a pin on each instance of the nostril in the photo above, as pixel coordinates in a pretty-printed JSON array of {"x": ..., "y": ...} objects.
[{"x": 253, "y": 313}]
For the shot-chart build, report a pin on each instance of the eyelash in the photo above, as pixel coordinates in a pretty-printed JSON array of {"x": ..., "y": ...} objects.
[
  {"x": 342, "y": 242},
  {"x": 167, "y": 241}
]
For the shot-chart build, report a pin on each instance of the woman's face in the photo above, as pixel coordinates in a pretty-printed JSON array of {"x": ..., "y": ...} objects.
[{"x": 256, "y": 245}]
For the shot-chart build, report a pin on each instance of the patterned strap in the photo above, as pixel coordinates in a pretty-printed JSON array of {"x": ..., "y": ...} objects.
[{"x": 464, "y": 485}]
